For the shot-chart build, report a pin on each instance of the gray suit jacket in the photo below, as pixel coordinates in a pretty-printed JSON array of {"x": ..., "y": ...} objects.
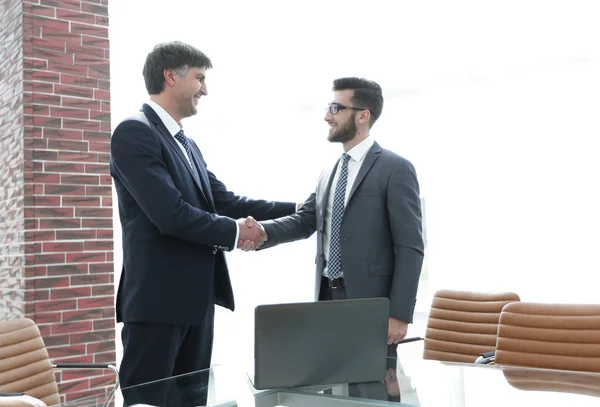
[{"x": 381, "y": 236}]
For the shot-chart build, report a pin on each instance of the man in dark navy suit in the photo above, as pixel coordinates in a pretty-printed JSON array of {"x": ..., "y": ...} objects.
[{"x": 177, "y": 220}]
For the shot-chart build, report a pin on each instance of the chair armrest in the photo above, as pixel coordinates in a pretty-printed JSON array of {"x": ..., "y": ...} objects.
[
  {"x": 83, "y": 366},
  {"x": 485, "y": 361},
  {"x": 412, "y": 339},
  {"x": 93, "y": 366},
  {"x": 486, "y": 358},
  {"x": 89, "y": 366}
]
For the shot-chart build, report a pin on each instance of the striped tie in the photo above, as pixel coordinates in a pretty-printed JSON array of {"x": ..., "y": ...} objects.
[
  {"x": 334, "y": 266},
  {"x": 180, "y": 136}
]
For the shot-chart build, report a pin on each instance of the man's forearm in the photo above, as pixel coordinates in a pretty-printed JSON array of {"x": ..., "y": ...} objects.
[
  {"x": 405, "y": 283},
  {"x": 287, "y": 229}
]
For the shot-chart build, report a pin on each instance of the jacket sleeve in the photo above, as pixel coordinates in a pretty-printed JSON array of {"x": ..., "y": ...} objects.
[
  {"x": 137, "y": 163},
  {"x": 236, "y": 206},
  {"x": 300, "y": 225},
  {"x": 404, "y": 209}
]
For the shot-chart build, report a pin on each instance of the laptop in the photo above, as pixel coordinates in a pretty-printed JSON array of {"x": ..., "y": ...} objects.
[{"x": 320, "y": 343}]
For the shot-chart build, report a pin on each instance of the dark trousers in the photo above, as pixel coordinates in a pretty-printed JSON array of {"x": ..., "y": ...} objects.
[
  {"x": 375, "y": 390},
  {"x": 157, "y": 351}
]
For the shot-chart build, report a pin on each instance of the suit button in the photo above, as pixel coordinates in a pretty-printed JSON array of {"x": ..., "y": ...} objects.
[
  {"x": 345, "y": 239},
  {"x": 320, "y": 230}
]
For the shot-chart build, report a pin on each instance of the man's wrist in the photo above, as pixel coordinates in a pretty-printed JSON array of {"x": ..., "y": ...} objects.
[{"x": 237, "y": 236}]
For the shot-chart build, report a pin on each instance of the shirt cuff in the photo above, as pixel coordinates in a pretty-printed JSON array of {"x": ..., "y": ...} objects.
[{"x": 237, "y": 236}]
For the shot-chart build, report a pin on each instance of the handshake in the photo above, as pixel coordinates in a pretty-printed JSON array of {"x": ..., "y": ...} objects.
[{"x": 252, "y": 234}]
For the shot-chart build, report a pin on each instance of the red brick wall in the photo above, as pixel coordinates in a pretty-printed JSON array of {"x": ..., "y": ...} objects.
[{"x": 66, "y": 281}]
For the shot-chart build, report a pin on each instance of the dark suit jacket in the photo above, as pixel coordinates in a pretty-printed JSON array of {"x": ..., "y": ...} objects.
[
  {"x": 381, "y": 236},
  {"x": 174, "y": 227}
]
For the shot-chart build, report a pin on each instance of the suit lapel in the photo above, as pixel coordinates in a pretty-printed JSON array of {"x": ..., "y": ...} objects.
[
  {"x": 203, "y": 176},
  {"x": 151, "y": 114},
  {"x": 368, "y": 162}
]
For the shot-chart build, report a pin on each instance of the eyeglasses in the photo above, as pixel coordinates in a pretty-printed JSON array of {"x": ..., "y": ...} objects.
[{"x": 334, "y": 108}]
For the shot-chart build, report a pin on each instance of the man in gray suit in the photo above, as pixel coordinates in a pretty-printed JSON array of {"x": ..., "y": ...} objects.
[{"x": 366, "y": 211}]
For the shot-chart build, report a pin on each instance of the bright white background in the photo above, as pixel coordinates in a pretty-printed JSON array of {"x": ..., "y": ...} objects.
[{"x": 495, "y": 103}]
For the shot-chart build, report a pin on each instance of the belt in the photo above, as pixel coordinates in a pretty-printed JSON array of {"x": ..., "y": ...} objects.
[{"x": 336, "y": 282}]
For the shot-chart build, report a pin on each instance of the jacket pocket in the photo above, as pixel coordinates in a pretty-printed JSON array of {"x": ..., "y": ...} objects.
[{"x": 381, "y": 270}]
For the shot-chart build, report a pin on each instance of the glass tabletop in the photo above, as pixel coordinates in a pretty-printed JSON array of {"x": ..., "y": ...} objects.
[
  {"x": 441, "y": 384},
  {"x": 408, "y": 381}
]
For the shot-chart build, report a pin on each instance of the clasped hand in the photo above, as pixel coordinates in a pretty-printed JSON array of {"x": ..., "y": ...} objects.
[{"x": 252, "y": 234}]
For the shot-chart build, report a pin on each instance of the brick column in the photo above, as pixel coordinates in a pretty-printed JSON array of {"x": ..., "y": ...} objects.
[
  {"x": 12, "y": 258},
  {"x": 56, "y": 258}
]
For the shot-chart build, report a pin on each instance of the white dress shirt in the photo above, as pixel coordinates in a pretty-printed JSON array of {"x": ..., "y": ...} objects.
[
  {"x": 357, "y": 156},
  {"x": 170, "y": 124},
  {"x": 174, "y": 128}
]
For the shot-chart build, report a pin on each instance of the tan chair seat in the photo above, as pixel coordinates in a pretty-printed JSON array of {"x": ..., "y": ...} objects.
[
  {"x": 551, "y": 380},
  {"x": 21, "y": 401}
]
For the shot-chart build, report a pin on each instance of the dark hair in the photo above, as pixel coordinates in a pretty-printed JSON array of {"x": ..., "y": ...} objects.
[
  {"x": 367, "y": 94},
  {"x": 171, "y": 55}
]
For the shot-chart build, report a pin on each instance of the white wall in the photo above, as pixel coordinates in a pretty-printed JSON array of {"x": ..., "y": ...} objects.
[{"x": 496, "y": 104}]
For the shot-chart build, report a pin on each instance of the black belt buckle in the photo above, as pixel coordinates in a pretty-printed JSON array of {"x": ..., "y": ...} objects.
[{"x": 336, "y": 283}]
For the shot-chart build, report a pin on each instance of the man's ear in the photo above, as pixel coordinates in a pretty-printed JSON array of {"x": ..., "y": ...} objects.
[
  {"x": 364, "y": 116},
  {"x": 169, "y": 75}
]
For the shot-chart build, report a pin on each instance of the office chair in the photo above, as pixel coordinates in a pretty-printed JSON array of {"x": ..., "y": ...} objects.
[
  {"x": 550, "y": 336},
  {"x": 463, "y": 324},
  {"x": 25, "y": 367}
]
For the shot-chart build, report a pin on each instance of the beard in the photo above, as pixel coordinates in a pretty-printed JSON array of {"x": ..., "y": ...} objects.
[{"x": 344, "y": 133}]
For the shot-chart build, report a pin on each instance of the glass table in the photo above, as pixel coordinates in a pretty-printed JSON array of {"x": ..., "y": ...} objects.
[{"x": 414, "y": 382}]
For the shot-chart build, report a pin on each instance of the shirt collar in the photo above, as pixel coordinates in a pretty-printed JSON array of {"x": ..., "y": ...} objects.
[
  {"x": 358, "y": 152},
  {"x": 166, "y": 118}
]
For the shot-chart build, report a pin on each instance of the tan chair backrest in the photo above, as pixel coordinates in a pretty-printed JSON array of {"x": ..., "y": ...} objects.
[
  {"x": 553, "y": 380},
  {"x": 550, "y": 336},
  {"x": 24, "y": 363},
  {"x": 463, "y": 324}
]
